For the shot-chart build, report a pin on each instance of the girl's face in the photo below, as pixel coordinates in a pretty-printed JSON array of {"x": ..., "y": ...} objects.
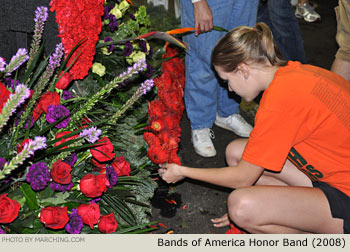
[{"x": 243, "y": 81}]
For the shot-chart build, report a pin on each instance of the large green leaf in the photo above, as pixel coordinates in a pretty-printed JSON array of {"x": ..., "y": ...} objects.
[
  {"x": 30, "y": 196},
  {"x": 58, "y": 199}
]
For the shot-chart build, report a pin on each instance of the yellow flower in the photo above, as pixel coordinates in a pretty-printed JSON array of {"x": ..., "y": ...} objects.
[
  {"x": 116, "y": 12},
  {"x": 105, "y": 51},
  {"x": 123, "y": 6},
  {"x": 99, "y": 69},
  {"x": 135, "y": 57}
]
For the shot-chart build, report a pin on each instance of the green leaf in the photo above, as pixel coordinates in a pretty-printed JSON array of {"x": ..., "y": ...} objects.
[
  {"x": 32, "y": 65},
  {"x": 58, "y": 199},
  {"x": 30, "y": 196}
]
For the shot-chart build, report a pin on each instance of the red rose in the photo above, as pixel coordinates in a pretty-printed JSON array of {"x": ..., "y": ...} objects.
[
  {"x": 21, "y": 147},
  {"x": 100, "y": 167},
  {"x": 49, "y": 98},
  {"x": 4, "y": 95},
  {"x": 93, "y": 186},
  {"x": 8, "y": 209},
  {"x": 103, "y": 151},
  {"x": 64, "y": 80},
  {"x": 108, "y": 224},
  {"x": 54, "y": 217},
  {"x": 157, "y": 154},
  {"x": 65, "y": 139},
  {"x": 90, "y": 213},
  {"x": 60, "y": 172},
  {"x": 121, "y": 166}
]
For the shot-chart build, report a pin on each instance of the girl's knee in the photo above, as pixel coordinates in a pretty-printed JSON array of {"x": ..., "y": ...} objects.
[
  {"x": 240, "y": 207},
  {"x": 234, "y": 151}
]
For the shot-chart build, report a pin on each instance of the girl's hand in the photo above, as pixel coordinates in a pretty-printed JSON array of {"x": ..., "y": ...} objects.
[
  {"x": 170, "y": 173},
  {"x": 221, "y": 221}
]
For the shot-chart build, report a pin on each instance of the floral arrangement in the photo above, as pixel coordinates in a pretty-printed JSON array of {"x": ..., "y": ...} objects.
[
  {"x": 166, "y": 111},
  {"x": 72, "y": 154}
]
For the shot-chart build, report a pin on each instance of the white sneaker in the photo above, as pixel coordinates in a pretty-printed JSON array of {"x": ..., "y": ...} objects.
[
  {"x": 235, "y": 123},
  {"x": 202, "y": 143}
]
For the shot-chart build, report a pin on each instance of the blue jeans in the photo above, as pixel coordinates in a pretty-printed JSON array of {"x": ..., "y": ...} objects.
[
  {"x": 204, "y": 96},
  {"x": 279, "y": 16}
]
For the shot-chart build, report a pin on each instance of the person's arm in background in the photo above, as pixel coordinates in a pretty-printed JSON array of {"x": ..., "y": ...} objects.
[{"x": 203, "y": 17}]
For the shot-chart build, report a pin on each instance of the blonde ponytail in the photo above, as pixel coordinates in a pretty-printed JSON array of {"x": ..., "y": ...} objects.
[{"x": 247, "y": 45}]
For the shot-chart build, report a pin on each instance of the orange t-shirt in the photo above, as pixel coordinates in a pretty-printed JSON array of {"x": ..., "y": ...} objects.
[{"x": 304, "y": 115}]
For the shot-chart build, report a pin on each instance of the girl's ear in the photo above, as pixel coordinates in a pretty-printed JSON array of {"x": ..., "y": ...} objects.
[{"x": 244, "y": 70}]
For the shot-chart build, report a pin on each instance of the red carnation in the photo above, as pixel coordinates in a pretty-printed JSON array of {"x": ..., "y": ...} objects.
[
  {"x": 49, "y": 98},
  {"x": 79, "y": 20},
  {"x": 103, "y": 151},
  {"x": 54, "y": 217}
]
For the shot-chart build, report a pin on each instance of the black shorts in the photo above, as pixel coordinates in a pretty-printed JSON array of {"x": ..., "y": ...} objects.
[{"x": 339, "y": 203}]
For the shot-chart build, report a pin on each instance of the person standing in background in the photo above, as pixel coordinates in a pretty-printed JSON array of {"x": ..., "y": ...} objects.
[
  {"x": 279, "y": 16},
  {"x": 206, "y": 100},
  {"x": 341, "y": 64}
]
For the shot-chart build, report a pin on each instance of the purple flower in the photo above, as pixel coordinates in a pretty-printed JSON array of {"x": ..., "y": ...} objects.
[
  {"x": 17, "y": 60},
  {"x": 2, "y": 64},
  {"x": 10, "y": 83},
  {"x": 75, "y": 224},
  {"x": 92, "y": 134},
  {"x": 150, "y": 52},
  {"x": 113, "y": 23},
  {"x": 143, "y": 46},
  {"x": 71, "y": 160},
  {"x": 18, "y": 118},
  {"x": 2, "y": 231},
  {"x": 61, "y": 188},
  {"x": 41, "y": 14},
  {"x": 38, "y": 143},
  {"x": 111, "y": 47},
  {"x": 145, "y": 87},
  {"x": 111, "y": 176},
  {"x": 57, "y": 112},
  {"x": 38, "y": 176},
  {"x": 132, "y": 16},
  {"x": 67, "y": 95},
  {"x": 127, "y": 49},
  {"x": 55, "y": 58},
  {"x": 149, "y": 71},
  {"x": 2, "y": 163}
]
